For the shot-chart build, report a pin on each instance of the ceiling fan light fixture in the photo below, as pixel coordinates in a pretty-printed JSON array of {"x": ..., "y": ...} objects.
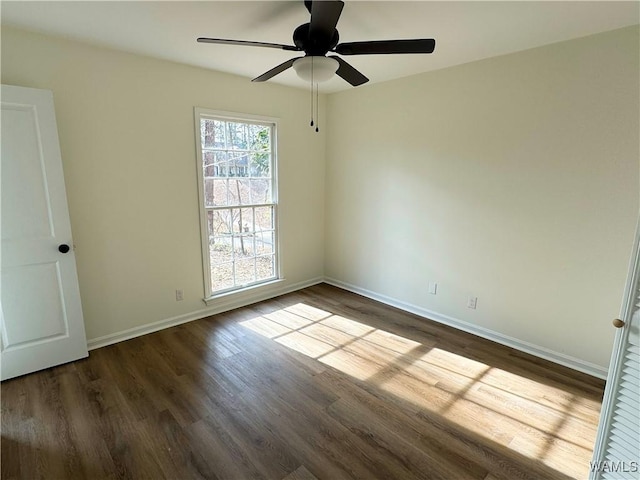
[{"x": 322, "y": 68}]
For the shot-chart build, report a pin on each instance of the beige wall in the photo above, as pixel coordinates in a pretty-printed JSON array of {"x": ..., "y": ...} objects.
[
  {"x": 513, "y": 179},
  {"x": 127, "y": 138}
]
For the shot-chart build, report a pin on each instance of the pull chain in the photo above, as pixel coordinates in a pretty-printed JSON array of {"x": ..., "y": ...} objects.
[
  {"x": 314, "y": 121},
  {"x": 311, "y": 124},
  {"x": 317, "y": 109}
]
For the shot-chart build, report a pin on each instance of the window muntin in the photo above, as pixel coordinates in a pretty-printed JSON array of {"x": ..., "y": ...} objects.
[{"x": 236, "y": 168}]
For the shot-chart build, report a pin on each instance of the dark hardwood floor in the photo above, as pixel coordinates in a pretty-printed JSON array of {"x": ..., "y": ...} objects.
[{"x": 319, "y": 383}]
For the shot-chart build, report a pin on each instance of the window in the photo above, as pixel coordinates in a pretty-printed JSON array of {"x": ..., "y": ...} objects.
[{"x": 237, "y": 187}]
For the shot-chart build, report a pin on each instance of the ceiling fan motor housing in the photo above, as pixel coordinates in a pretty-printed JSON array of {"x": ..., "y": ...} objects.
[{"x": 317, "y": 45}]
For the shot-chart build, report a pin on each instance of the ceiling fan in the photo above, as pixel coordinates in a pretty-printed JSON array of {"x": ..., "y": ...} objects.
[{"x": 319, "y": 37}]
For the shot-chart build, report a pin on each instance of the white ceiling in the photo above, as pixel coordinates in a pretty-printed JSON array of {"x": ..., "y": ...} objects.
[{"x": 464, "y": 31}]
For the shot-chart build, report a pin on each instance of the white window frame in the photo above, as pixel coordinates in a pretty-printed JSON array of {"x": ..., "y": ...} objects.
[{"x": 200, "y": 113}]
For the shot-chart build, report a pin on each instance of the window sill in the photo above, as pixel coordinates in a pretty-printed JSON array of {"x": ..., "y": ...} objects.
[{"x": 238, "y": 294}]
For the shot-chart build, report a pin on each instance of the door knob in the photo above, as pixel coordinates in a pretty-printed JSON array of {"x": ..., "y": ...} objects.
[
  {"x": 618, "y": 323},
  {"x": 64, "y": 248}
]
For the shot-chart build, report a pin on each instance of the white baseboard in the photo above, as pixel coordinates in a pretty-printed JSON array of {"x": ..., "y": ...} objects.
[
  {"x": 536, "y": 350},
  {"x": 230, "y": 302}
]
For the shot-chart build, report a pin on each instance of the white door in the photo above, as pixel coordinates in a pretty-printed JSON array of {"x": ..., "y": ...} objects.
[
  {"x": 617, "y": 450},
  {"x": 41, "y": 315}
]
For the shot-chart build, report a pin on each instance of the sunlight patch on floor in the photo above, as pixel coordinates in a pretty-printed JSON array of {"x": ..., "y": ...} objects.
[{"x": 486, "y": 400}]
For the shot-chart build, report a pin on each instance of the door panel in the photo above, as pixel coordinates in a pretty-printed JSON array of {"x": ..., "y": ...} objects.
[
  {"x": 616, "y": 453},
  {"x": 43, "y": 319},
  {"x": 20, "y": 144},
  {"x": 42, "y": 323}
]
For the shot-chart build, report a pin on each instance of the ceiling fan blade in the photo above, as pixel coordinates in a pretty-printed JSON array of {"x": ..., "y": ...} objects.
[
  {"x": 324, "y": 17},
  {"x": 224, "y": 41},
  {"x": 424, "y": 45},
  {"x": 275, "y": 71},
  {"x": 348, "y": 73}
]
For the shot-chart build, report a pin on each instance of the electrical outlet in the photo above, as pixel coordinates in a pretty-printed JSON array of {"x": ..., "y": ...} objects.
[
  {"x": 433, "y": 288},
  {"x": 472, "y": 303},
  {"x": 179, "y": 295}
]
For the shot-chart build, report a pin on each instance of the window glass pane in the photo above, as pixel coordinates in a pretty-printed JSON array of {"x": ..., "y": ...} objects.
[
  {"x": 239, "y": 191},
  {"x": 265, "y": 267},
  {"x": 209, "y": 163},
  {"x": 264, "y": 242},
  {"x": 220, "y": 248},
  {"x": 247, "y": 220},
  {"x": 212, "y": 133},
  {"x": 261, "y": 190},
  {"x": 259, "y": 138},
  {"x": 210, "y": 224},
  {"x": 235, "y": 217},
  {"x": 219, "y": 189},
  {"x": 237, "y": 136},
  {"x": 238, "y": 164},
  {"x": 245, "y": 271},
  {"x": 206, "y": 132},
  {"x": 221, "y": 276},
  {"x": 219, "y": 140},
  {"x": 259, "y": 164},
  {"x": 220, "y": 163},
  {"x": 208, "y": 192},
  {"x": 242, "y": 220},
  {"x": 220, "y": 223},
  {"x": 250, "y": 244},
  {"x": 243, "y": 246},
  {"x": 264, "y": 218}
]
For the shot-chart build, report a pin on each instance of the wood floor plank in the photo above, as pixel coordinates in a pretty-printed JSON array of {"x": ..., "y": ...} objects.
[
  {"x": 316, "y": 384},
  {"x": 95, "y": 457},
  {"x": 301, "y": 473}
]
